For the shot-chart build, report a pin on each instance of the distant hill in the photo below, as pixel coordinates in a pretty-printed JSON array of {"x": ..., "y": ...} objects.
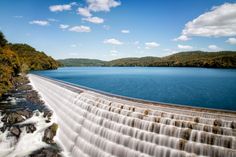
[
  {"x": 81, "y": 62},
  {"x": 223, "y": 59}
]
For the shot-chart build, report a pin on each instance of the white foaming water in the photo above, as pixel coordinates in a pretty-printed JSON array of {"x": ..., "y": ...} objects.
[
  {"x": 95, "y": 125},
  {"x": 27, "y": 142}
]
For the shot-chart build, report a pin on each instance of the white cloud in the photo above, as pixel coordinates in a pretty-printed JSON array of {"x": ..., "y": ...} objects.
[
  {"x": 80, "y": 29},
  {"x": 182, "y": 38},
  {"x": 84, "y": 12},
  {"x": 62, "y": 26},
  {"x": 125, "y": 31},
  {"x": 213, "y": 47},
  {"x": 39, "y": 22},
  {"x": 63, "y": 7},
  {"x": 112, "y": 41},
  {"x": 185, "y": 47},
  {"x": 150, "y": 45},
  {"x": 102, "y": 5},
  {"x": 219, "y": 21},
  {"x": 96, "y": 20},
  {"x": 231, "y": 41}
]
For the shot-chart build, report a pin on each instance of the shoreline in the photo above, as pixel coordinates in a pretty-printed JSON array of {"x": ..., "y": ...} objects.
[
  {"x": 27, "y": 125},
  {"x": 219, "y": 68}
]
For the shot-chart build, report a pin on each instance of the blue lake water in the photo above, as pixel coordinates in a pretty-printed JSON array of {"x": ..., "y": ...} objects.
[{"x": 202, "y": 87}]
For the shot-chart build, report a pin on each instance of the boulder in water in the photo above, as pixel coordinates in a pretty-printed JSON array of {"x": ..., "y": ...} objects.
[
  {"x": 15, "y": 130},
  {"x": 47, "y": 152},
  {"x": 12, "y": 118},
  {"x": 25, "y": 113},
  {"x": 30, "y": 128},
  {"x": 49, "y": 133}
]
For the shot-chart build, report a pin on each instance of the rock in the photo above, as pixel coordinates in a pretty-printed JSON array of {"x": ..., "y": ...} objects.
[
  {"x": 34, "y": 98},
  {"x": 25, "y": 113},
  {"x": 3, "y": 128},
  {"x": 15, "y": 130},
  {"x": 47, "y": 114},
  {"x": 12, "y": 118},
  {"x": 49, "y": 133},
  {"x": 48, "y": 121},
  {"x": 47, "y": 152},
  {"x": 30, "y": 128}
]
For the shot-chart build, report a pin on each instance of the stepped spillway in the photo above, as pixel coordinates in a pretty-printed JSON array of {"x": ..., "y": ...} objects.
[{"x": 95, "y": 124}]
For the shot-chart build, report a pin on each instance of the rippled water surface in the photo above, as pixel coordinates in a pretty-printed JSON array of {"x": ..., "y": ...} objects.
[{"x": 211, "y": 88}]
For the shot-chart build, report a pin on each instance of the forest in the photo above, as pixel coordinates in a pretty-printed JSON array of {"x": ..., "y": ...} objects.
[
  {"x": 223, "y": 59},
  {"x": 18, "y": 59}
]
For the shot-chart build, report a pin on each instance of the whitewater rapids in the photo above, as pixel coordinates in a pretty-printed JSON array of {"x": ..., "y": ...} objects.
[{"x": 93, "y": 124}]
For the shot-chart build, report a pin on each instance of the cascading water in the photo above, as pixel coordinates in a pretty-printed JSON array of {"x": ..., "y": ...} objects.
[{"x": 92, "y": 124}]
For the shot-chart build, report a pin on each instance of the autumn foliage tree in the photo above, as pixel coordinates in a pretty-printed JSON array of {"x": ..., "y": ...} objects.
[{"x": 20, "y": 58}]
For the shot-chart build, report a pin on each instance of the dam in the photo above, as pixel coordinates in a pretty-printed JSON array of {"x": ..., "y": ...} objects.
[{"x": 97, "y": 124}]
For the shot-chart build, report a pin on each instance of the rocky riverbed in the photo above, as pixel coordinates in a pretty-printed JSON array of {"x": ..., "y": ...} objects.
[{"x": 27, "y": 126}]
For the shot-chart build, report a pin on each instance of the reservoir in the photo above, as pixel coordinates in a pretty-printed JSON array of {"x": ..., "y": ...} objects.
[{"x": 200, "y": 87}]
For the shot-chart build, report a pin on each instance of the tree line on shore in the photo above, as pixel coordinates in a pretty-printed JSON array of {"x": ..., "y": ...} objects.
[
  {"x": 20, "y": 58},
  {"x": 222, "y": 59}
]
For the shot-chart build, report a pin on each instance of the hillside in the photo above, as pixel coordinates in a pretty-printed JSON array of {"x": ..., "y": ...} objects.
[
  {"x": 34, "y": 59},
  {"x": 81, "y": 62},
  {"x": 20, "y": 58},
  {"x": 223, "y": 59}
]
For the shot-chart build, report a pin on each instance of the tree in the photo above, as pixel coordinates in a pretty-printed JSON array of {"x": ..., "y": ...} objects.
[
  {"x": 3, "y": 41},
  {"x": 24, "y": 68}
]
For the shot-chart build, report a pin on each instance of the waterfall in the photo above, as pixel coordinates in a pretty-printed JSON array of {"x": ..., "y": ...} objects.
[{"x": 93, "y": 124}]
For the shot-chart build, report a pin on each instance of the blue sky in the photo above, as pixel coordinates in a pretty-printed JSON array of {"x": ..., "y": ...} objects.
[{"x": 110, "y": 29}]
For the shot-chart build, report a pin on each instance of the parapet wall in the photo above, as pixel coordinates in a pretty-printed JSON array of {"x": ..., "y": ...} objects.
[{"x": 99, "y": 125}]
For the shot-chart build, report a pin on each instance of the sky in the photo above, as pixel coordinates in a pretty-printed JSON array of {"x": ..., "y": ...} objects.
[{"x": 111, "y": 29}]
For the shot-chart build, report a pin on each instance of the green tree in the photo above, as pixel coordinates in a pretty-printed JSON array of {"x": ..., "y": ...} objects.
[{"x": 3, "y": 41}]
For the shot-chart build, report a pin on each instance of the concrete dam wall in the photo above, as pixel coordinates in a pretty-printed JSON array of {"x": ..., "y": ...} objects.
[{"x": 94, "y": 124}]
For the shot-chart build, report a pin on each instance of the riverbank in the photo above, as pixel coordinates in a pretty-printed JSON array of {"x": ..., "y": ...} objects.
[
  {"x": 27, "y": 126},
  {"x": 98, "y": 124}
]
